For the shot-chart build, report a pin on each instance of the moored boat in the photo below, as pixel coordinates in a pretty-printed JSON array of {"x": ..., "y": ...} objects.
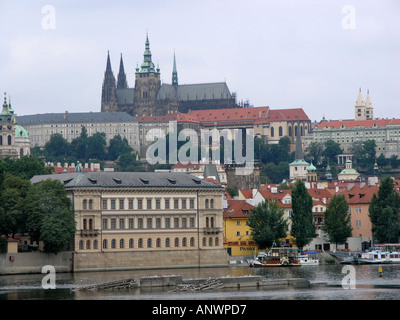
[
  {"x": 306, "y": 260},
  {"x": 277, "y": 257},
  {"x": 380, "y": 254}
]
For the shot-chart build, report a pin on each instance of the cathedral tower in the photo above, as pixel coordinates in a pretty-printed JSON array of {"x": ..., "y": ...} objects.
[
  {"x": 147, "y": 83},
  {"x": 122, "y": 83},
  {"x": 109, "y": 100}
]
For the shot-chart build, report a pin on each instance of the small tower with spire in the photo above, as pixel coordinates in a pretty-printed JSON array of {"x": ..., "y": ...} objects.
[
  {"x": 174, "y": 74},
  {"x": 109, "y": 100},
  {"x": 363, "y": 109},
  {"x": 122, "y": 83}
]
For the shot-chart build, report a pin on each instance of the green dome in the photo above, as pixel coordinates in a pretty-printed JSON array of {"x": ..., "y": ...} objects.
[
  {"x": 311, "y": 168},
  {"x": 20, "y": 132}
]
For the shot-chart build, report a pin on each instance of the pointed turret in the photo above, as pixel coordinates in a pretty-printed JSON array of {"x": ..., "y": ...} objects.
[
  {"x": 298, "y": 155},
  {"x": 109, "y": 101},
  {"x": 174, "y": 74},
  {"x": 360, "y": 100},
  {"x": 122, "y": 83},
  {"x": 147, "y": 65}
]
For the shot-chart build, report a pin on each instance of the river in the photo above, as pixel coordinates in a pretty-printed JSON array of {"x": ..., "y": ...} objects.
[{"x": 326, "y": 284}]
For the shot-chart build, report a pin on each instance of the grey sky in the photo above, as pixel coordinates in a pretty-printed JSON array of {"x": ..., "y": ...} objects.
[{"x": 282, "y": 54}]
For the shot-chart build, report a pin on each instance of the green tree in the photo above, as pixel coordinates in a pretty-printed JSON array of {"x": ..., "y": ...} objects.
[
  {"x": 332, "y": 149},
  {"x": 79, "y": 146},
  {"x": 302, "y": 220},
  {"x": 384, "y": 212},
  {"x": 49, "y": 218},
  {"x": 12, "y": 199},
  {"x": 314, "y": 152},
  {"x": 97, "y": 146},
  {"x": 337, "y": 220},
  {"x": 118, "y": 147},
  {"x": 267, "y": 224},
  {"x": 26, "y": 167},
  {"x": 57, "y": 148}
]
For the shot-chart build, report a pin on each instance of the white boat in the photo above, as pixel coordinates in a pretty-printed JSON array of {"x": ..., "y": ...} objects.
[
  {"x": 305, "y": 260},
  {"x": 377, "y": 256}
]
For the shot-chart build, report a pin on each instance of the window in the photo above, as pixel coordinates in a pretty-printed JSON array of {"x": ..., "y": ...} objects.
[
  {"x": 167, "y": 242},
  {"x": 105, "y": 244},
  {"x": 122, "y": 223},
  {"x": 140, "y": 243},
  {"x": 140, "y": 204},
  {"x": 206, "y": 203},
  {"x": 192, "y": 242},
  {"x": 140, "y": 223},
  {"x": 176, "y": 242},
  {"x": 104, "y": 204},
  {"x": 176, "y": 222},
  {"x": 272, "y": 131},
  {"x": 130, "y": 223},
  {"x": 166, "y": 203},
  {"x": 216, "y": 241},
  {"x": 204, "y": 242},
  {"x": 158, "y": 223},
  {"x": 148, "y": 203},
  {"x": 113, "y": 204},
  {"x": 131, "y": 243},
  {"x": 238, "y": 223},
  {"x": 184, "y": 223},
  {"x": 121, "y": 243},
  {"x": 121, "y": 204},
  {"x": 167, "y": 223},
  {"x": 192, "y": 222},
  {"x": 184, "y": 242},
  {"x": 176, "y": 204},
  {"x": 183, "y": 203},
  {"x": 95, "y": 244},
  {"x": 158, "y": 243},
  {"x": 84, "y": 224},
  {"x": 130, "y": 204},
  {"x": 81, "y": 244},
  {"x": 90, "y": 204},
  {"x": 113, "y": 223},
  {"x": 212, "y": 203},
  {"x": 105, "y": 224},
  {"x": 158, "y": 204},
  {"x": 113, "y": 244},
  {"x": 280, "y": 132},
  {"x": 149, "y": 244},
  {"x": 210, "y": 242},
  {"x": 149, "y": 223},
  {"x": 90, "y": 224},
  {"x": 191, "y": 204},
  {"x": 84, "y": 204}
]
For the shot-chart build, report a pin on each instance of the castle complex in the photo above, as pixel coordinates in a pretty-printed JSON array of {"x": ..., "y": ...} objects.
[{"x": 151, "y": 98}]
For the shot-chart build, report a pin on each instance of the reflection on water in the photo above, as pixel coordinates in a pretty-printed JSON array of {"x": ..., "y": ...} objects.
[{"x": 325, "y": 279}]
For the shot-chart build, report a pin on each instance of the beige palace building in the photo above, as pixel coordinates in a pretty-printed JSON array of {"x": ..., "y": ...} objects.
[{"x": 138, "y": 220}]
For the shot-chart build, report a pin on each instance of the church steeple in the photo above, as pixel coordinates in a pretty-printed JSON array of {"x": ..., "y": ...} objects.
[
  {"x": 174, "y": 74},
  {"x": 109, "y": 101},
  {"x": 122, "y": 83},
  {"x": 147, "y": 65}
]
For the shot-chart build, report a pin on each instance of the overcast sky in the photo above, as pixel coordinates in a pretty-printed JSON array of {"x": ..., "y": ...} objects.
[{"x": 283, "y": 54}]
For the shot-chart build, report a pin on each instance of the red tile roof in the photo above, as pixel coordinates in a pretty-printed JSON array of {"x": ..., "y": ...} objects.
[
  {"x": 287, "y": 115},
  {"x": 336, "y": 124},
  {"x": 236, "y": 209},
  {"x": 358, "y": 195},
  {"x": 231, "y": 115}
]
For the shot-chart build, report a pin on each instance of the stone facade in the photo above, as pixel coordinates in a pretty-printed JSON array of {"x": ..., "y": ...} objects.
[{"x": 135, "y": 220}]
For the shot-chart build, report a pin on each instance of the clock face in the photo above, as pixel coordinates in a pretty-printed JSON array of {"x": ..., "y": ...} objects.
[{"x": 9, "y": 127}]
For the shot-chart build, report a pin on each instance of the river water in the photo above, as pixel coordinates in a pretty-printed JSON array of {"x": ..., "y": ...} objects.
[{"x": 326, "y": 284}]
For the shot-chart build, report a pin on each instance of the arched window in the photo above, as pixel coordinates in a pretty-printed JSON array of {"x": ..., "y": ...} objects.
[
  {"x": 206, "y": 203},
  {"x": 167, "y": 242},
  {"x": 216, "y": 241},
  {"x": 212, "y": 203},
  {"x": 212, "y": 222},
  {"x": 131, "y": 243},
  {"x": 84, "y": 204},
  {"x": 192, "y": 242},
  {"x": 87, "y": 244},
  {"x": 84, "y": 224},
  {"x": 113, "y": 244},
  {"x": 184, "y": 242},
  {"x": 121, "y": 243},
  {"x": 1, "y": 140},
  {"x": 204, "y": 242},
  {"x": 280, "y": 131},
  {"x": 272, "y": 131},
  {"x": 94, "y": 244},
  {"x": 81, "y": 244},
  {"x": 90, "y": 224},
  {"x": 149, "y": 244},
  {"x": 207, "y": 222},
  {"x": 9, "y": 140},
  {"x": 158, "y": 243},
  {"x": 140, "y": 243},
  {"x": 105, "y": 244},
  {"x": 90, "y": 204},
  {"x": 210, "y": 242},
  {"x": 290, "y": 131},
  {"x": 176, "y": 242}
]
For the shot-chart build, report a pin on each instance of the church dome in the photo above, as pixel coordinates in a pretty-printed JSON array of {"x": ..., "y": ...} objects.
[
  {"x": 311, "y": 168},
  {"x": 20, "y": 132}
]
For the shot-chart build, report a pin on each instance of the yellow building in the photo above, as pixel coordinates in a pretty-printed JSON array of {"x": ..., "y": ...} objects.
[{"x": 237, "y": 233}]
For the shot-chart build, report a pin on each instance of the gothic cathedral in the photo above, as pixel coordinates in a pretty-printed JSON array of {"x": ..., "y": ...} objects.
[{"x": 151, "y": 98}]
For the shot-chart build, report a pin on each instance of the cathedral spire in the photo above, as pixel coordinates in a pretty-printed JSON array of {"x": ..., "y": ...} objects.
[
  {"x": 109, "y": 101},
  {"x": 147, "y": 65},
  {"x": 122, "y": 83},
  {"x": 360, "y": 100},
  {"x": 174, "y": 74},
  {"x": 298, "y": 155}
]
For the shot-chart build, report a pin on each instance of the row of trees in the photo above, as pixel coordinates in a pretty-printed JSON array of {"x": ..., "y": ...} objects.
[
  {"x": 268, "y": 224},
  {"x": 84, "y": 148},
  {"x": 41, "y": 211}
]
